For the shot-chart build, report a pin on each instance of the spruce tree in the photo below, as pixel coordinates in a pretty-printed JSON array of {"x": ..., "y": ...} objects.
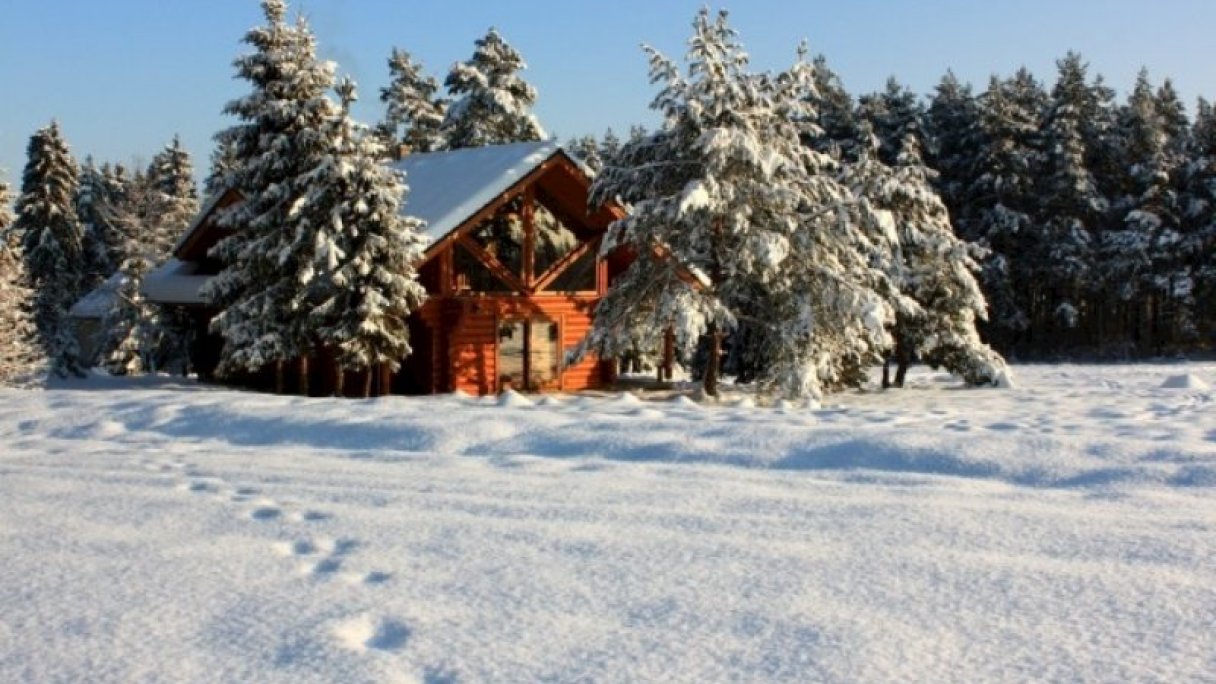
[
  {"x": 21, "y": 359},
  {"x": 491, "y": 104},
  {"x": 1137, "y": 255},
  {"x": 735, "y": 219},
  {"x": 223, "y": 162},
  {"x": 1199, "y": 221},
  {"x": 952, "y": 129},
  {"x": 894, "y": 114},
  {"x": 132, "y": 326},
  {"x": 173, "y": 201},
  {"x": 269, "y": 261},
  {"x": 414, "y": 115},
  {"x": 96, "y": 220},
  {"x": 52, "y": 244},
  {"x": 1003, "y": 200},
  {"x": 142, "y": 336},
  {"x": 1071, "y": 208},
  {"x": 586, "y": 150},
  {"x": 365, "y": 287},
  {"x": 939, "y": 299},
  {"x": 836, "y": 118},
  {"x": 610, "y": 147}
]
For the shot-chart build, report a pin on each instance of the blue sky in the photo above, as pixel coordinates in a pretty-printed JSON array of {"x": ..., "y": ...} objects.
[{"x": 123, "y": 76}]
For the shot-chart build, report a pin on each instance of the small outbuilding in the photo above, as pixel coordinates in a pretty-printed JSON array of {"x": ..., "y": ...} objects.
[{"x": 513, "y": 273}]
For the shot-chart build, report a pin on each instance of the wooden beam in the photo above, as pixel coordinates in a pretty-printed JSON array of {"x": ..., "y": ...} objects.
[
  {"x": 492, "y": 263},
  {"x": 529, "y": 236}
]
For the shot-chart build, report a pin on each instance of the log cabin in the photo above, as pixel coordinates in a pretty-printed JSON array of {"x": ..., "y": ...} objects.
[{"x": 512, "y": 270}]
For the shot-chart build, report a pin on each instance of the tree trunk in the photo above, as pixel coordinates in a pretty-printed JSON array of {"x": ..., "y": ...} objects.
[
  {"x": 303, "y": 388},
  {"x": 280, "y": 383},
  {"x": 367, "y": 382},
  {"x": 669, "y": 354},
  {"x": 886, "y": 372},
  {"x": 903, "y": 357},
  {"x": 339, "y": 381},
  {"x": 713, "y": 362}
]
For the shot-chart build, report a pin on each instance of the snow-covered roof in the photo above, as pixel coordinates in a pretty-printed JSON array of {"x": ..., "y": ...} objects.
[
  {"x": 98, "y": 302},
  {"x": 446, "y": 188},
  {"x": 208, "y": 207},
  {"x": 175, "y": 282}
]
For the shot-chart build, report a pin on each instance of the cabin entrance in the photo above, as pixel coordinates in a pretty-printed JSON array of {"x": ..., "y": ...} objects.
[{"x": 528, "y": 355}]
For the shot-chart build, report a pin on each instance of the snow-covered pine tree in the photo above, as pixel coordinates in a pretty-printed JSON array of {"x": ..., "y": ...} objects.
[
  {"x": 96, "y": 220},
  {"x": 952, "y": 126},
  {"x": 835, "y": 108},
  {"x": 223, "y": 162},
  {"x": 939, "y": 298},
  {"x": 52, "y": 244},
  {"x": 491, "y": 104},
  {"x": 262, "y": 292},
  {"x": 1199, "y": 220},
  {"x": 1137, "y": 255},
  {"x": 413, "y": 115},
  {"x": 21, "y": 358},
  {"x": 610, "y": 147},
  {"x": 733, "y": 218},
  {"x": 174, "y": 198},
  {"x": 132, "y": 328},
  {"x": 1003, "y": 200},
  {"x": 586, "y": 150},
  {"x": 172, "y": 203},
  {"x": 365, "y": 286},
  {"x": 1071, "y": 210},
  {"x": 894, "y": 114}
]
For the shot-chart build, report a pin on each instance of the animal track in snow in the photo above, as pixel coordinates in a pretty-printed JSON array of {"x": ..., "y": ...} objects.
[
  {"x": 266, "y": 512},
  {"x": 366, "y": 632},
  {"x": 309, "y": 516}
]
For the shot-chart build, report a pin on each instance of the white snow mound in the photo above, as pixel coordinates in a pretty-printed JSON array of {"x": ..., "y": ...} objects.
[
  {"x": 513, "y": 399},
  {"x": 1185, "y": 381}
]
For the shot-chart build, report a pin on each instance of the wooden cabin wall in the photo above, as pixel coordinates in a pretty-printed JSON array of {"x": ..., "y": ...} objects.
[
  {"x": 474, "y": 346},
  {"x": 586, "y": 373}
]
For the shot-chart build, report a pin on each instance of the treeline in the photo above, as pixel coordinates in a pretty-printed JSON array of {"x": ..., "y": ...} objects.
[
  {"x": 1097, "y": 218},
  {"x": 79, "y": 227}
]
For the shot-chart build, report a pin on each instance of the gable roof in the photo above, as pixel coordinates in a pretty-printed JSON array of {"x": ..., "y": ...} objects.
[{"x": 446, "y": 188}]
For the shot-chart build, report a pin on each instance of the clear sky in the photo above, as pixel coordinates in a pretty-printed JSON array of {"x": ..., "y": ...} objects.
[{"x": 123, "y": 76}]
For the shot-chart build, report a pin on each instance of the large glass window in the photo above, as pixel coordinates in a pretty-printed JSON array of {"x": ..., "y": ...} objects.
[
  {"x": 502, "y": 236},
  {"x": 554, "y": 240}
]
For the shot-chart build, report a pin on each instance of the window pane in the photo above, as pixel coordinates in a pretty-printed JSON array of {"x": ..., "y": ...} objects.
[
  {"x": 554, "y": 239},
  {"x": 511, "y": 355},
  {"x": 473, "y": 275},
  {"x": 579, "y": 277},
  {"x": 502, "y": 236},
  {"x": 543, "y": 353}
]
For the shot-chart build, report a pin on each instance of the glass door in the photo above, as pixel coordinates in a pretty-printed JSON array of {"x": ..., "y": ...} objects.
[{"x": 529, "y": 355}]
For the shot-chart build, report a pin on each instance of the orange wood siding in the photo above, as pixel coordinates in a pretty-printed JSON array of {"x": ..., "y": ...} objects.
[
  {"x": 473, "y": 353},
  {"x": 585, "y": 374}
]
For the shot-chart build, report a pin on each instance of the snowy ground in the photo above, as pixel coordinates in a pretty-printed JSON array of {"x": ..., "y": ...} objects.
[{"x": 1062, "y": 531}]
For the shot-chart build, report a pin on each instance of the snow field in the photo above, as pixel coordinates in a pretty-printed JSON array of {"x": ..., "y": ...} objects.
[{"x": 1062, "y": 531}]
